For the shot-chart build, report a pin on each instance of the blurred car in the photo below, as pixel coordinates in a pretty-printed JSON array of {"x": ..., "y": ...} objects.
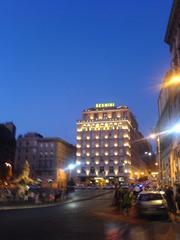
[
  {"x": 152, "y": 203},
  {"x": 109, "y": 187}
]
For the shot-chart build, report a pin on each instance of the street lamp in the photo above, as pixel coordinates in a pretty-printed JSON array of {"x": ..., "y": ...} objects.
[
  {"x": 173, "y": 81},
  {"x": 176, "y": 128},
  {"x": 172, "y": 130}
]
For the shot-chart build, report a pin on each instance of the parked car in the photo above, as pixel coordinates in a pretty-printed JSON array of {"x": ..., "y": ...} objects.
[{"x": 152, "y": 203}]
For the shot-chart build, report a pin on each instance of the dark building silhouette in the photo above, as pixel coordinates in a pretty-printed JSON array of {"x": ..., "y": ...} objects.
[{"x": 7, "y": 146}]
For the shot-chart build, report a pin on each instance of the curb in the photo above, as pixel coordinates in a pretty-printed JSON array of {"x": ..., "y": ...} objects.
[{"x": 8, "y": 208}]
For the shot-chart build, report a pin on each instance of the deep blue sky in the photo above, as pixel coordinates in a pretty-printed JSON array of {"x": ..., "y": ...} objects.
[{"x": 58, "y": 57}]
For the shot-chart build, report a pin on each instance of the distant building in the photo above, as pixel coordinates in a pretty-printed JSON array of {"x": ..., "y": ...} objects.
[
  {"x": 45, "y": 155},
  {"x": 169, "y": 104},
  {"x": 7, "y": 145},
  {"x": 109, "y": 144}
]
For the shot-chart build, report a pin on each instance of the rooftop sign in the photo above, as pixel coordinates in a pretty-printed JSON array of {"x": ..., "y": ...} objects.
[{"x": 105, "y": 105}]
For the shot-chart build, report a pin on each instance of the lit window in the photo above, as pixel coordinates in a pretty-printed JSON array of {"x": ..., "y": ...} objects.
[
  {"x": 106, "y": 136},
  {"x": 115, "y": 136},
  {"x": 87, "y": 154},
  {"x": 78, "y": 171},
  {"x": 116, "y": 162},
  {"x": 88, "y": 137},
  {"x": 87, "y": 172},
  {"x": 106, "y": 145},
  {"x": 87, "y": 162},
  {"x": 116, "y": 172},
  {"x": 97, "y": 145},
  {"x": 128, "y": 153},
  {"x": 106, "y": 153},
  {"x": 78, "y": 154},
  {"x": 115, "y": 153},
  {"x": 97, "y": 162},
  {"x": 97, "y": 154},
  {"x": 115, "y": 145},
  {"x": 78, "y": 137},
  {"x": 78, "y": 146},
  {"x": 126, "y": 144},
  {"x": 97, "y": 137},
  {"x": 106, "y": 162},
  {"x": 88, "y": 146}
]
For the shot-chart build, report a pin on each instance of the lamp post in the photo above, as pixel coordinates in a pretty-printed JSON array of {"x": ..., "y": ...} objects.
[
  {"x": 158, "y": 144},
  {"x": 173, "y": 130}
]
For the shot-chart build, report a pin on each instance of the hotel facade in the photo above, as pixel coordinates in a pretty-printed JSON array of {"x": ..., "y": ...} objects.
[{"x": 108, "y": 144}]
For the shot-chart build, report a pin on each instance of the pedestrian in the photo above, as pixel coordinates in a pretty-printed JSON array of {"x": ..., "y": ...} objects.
[
  {"x": 169, "y": 195},
  {"x": 57, "y": 196},
  {"x": 136, "y": 191},
  {"x": 178, "y": 198},
  {"x": 116, "y": 196},
  {"x": 67, "y": 192},
  {"x": 126, "y": 201}
]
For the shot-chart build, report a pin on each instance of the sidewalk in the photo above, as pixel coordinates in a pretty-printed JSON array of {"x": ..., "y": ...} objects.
[
  {"x": 113, "y": 213},
  {"x": 70, "y": 199}
]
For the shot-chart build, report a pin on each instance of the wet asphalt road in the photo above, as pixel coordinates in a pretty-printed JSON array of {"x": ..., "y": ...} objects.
[{"x": 83, "y": 220}]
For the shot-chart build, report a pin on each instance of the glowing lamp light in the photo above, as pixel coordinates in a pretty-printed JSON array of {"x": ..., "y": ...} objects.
[
  {"x": 176, "y": 128},
  {"x": 8, "y": 164},
  {"x": 153, "y": 136},
  {"x": 71, "y": 166},
  {"x": 175, "y": 80}
]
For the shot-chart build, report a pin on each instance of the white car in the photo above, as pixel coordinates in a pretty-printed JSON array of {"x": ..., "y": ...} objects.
[{"x": 152, "y": 203}]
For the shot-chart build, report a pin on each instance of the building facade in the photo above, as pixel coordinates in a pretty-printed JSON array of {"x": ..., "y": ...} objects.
[
  {"x": 109, "y": 144},
  {"x": 7, "y": 147},
  {"x": 46, "y": 156},
  {"x": 169, "y": 104}
]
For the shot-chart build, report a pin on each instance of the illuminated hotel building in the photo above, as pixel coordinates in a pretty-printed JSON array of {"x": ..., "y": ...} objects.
[{"x": 106, "y": 143}]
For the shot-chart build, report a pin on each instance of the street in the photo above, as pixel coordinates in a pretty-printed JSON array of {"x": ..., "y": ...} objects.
[{"x": 91, "y": 219}]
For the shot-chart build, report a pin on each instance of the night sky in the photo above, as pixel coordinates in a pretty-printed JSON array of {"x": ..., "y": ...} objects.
[{"x": 58, "y": 57}]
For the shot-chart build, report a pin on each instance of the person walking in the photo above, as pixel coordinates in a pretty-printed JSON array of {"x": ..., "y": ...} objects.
[
  {"x": 169, "y": 195},
  {"x": 126, "y": 201},
  {"x": 178, "y": 198},
  {"x": 116, "y": 196}
]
